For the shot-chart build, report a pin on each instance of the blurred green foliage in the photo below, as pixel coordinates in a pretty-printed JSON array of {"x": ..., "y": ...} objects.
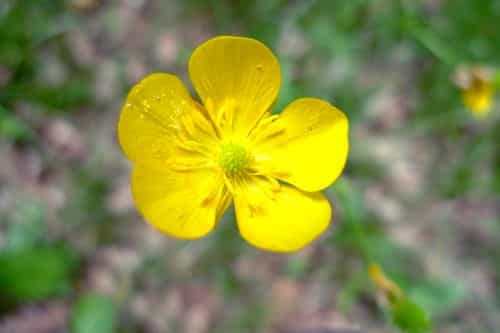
[
  {"x": 27, "y": 227},
  {"x": 409, "y": 317},
  {"x": 94, "y": 313},
  {"x": 35, "y": 273},
  {"x": 12, "y": 127},
  {"x": 33, "y": 268},
  {"x": 437, "y": 297},
  {"x": 27, "y": 27}
]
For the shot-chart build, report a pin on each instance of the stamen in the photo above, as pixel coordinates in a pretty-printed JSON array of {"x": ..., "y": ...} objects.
[
  {"x": 212, "y": 115},
  {"x": 186, "y": 166},
  {"x": 192, "y": 135},
  {"x": 262, "y": 124},
  {"x": 192, "y": 146},
  {"x": 269, "y": 186},
  {"x": 215, "y": 193},
  {"x": 267, "y": 128},
  {"x": 229, "y": 184}
]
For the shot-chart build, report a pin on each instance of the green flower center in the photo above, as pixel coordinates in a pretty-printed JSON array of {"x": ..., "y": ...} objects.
[{"x": 233, "y": 158}]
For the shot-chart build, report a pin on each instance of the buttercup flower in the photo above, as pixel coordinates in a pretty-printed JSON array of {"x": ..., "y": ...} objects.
[
  {"x": 478, "y": 88},
  {"x": 191, "y": 160}
]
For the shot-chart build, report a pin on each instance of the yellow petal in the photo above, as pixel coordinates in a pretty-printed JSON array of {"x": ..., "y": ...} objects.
[
  {"x": 310, "y": 146},
  {"x": 181, "y": 204},
  {"x": 235, "y": 75},
  {"x": 150, "y": 117},
  {"x": 279, "y": 218}
]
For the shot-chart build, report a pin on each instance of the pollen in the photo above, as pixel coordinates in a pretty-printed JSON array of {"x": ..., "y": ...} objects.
[{"x": 233, "y": 158}]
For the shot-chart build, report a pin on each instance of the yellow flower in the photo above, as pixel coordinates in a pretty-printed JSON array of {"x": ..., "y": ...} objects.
[
  {"x": 478, "y": 89},
  {"x": 190, "y": 160}
]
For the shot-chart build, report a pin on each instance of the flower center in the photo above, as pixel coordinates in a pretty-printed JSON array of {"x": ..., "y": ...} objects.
[{"x": 233, "y": 158}]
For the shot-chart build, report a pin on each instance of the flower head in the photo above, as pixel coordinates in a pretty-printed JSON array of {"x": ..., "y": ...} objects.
[
  {"x": 478, "y": 88},
  {"x": 191, "y": 160}
]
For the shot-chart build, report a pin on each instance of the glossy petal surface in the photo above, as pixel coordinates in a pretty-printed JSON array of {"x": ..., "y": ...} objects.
[
  {"x": 237, "y": 78},
  {"x": 180, "y": 204},
  {"x": 311, "y": 149},
  {"x": 150, "y": 118},
  {"x": 281, "y": 220}
]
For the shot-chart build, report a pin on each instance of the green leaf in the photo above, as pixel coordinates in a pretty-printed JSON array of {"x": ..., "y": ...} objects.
[
  {"x": 94, "y": 313},
  {"x": 410, "y": 317},
  {"x": 438, "y": 297},
  {"x": 434, "y": 45},
  {"x": 35, "y": 274}
]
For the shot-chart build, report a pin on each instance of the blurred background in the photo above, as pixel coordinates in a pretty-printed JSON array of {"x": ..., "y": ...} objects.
[{"x": 419, "y": 196}]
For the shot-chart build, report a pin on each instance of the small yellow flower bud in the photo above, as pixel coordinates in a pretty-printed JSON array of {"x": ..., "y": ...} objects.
[
  {"x": 478, "y": 90},
  {"x": 388, "y": 287}
]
